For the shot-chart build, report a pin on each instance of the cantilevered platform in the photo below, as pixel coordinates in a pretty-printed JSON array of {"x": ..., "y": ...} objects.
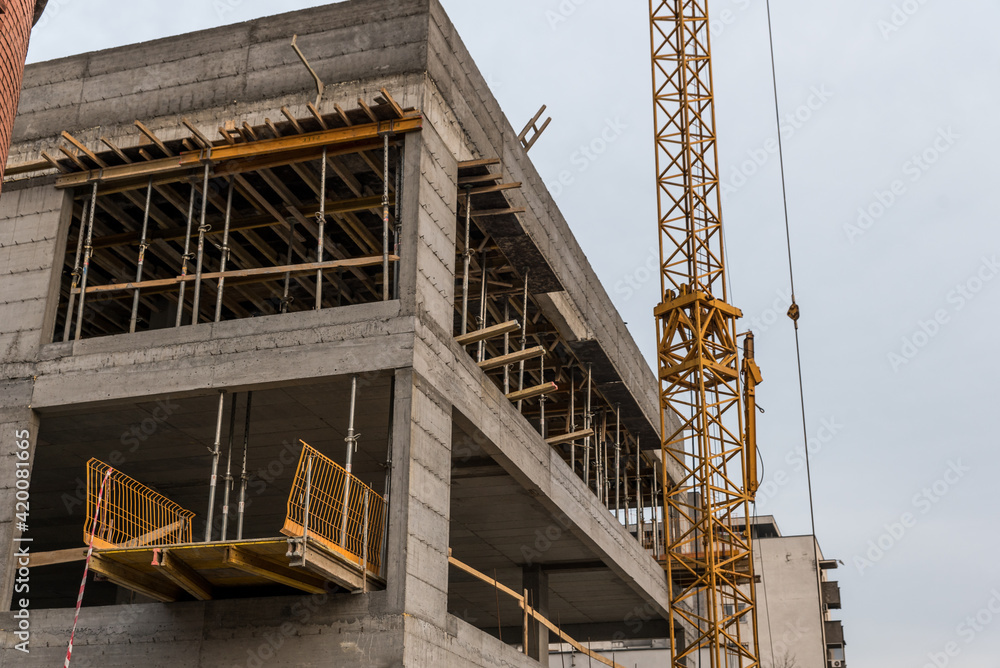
[{"x": 206, "y": 570}]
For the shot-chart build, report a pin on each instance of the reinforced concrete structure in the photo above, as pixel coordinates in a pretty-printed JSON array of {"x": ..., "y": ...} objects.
[{"x": 205, "y": 260}]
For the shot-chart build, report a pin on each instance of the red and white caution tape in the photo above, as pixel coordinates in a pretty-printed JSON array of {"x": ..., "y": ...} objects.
[{"x": 86, "y": 567}]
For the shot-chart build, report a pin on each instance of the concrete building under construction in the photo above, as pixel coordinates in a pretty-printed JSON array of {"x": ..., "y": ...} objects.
[{"x": 298, "y": 340}]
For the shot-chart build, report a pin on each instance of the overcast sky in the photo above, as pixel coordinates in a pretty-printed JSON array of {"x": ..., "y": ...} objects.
[{"x": 895, "y": 239}]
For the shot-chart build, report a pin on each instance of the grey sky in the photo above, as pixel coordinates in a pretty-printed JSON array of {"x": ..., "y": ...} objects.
[{"x": 874, "y": 83}]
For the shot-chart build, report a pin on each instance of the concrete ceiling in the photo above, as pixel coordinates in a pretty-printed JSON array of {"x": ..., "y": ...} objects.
[
  {"x": 498, "y": 527},
  {"x": 165, "y": 444}
]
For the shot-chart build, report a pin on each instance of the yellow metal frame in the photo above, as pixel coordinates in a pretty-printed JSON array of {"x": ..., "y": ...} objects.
[
  {"x": 708, "y": 545},
  {"x": 326, "y": 510},
  {"x": 131, "y": 514}
]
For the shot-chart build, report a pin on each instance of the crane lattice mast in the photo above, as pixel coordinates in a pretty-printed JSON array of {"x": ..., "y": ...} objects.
[{"x": 712, "y": 460}]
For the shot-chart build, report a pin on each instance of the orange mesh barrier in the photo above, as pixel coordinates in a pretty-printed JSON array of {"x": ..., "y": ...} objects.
[
  {"x": 131, "y": 514},
  {"x": 339, "y": 532}
]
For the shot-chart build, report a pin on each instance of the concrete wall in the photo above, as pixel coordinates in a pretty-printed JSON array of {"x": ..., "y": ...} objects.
[{"x": 788, "y": 611}]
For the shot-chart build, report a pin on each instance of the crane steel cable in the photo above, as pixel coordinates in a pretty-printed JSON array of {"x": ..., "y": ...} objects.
[{"x": 793, "y": 313}]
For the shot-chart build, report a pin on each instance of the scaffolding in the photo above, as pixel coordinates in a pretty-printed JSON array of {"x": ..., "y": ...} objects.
[
  {"x": 143, "y": 541},
  {"x": 292, "y": 215}
]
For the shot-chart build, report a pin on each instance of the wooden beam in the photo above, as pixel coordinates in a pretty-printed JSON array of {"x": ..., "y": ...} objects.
[
  {"x": 293, "y": 269},
  {"x": 130, "y": 578},
  {"x": 566, "y": 438},
  {"x": 479, "y": 178},
  {"x": 530, "y": 611},
  {"x": 58, "y": 557},
  {"x": 532, "y": 392},
  {"x": 250, "y": 563},
  {"x": 484, "y": 162},
  {"x": 27, "y": 167},
  {"x": 482, "y": 190},
  {"x": 512, "y": 358},
  {"x": 308, "y": 144},
  {"x": 396, "y": 109},
  {"x": 488, "y": 332},
  {"x": 183, "y": 575},
  {"x": 149, "y": 536}
]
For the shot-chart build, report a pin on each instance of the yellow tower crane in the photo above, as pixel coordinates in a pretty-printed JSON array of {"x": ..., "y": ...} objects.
[{"x": 711, "y": 456}]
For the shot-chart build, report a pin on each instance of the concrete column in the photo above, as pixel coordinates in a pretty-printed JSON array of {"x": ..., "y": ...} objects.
[
  {"x": 536, "y": 581},
  {"x": 419, "y": 505},
  {"x": 429, "y": 237},
  {"x": 18, "y": 424}
]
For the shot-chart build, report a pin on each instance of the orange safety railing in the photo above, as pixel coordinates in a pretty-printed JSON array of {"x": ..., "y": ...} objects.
[
  {"x": 131, "y": 514},
  {"x": 329, "y": 484}
]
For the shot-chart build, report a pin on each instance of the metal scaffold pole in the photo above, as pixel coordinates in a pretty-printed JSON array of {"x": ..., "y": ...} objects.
[
  {"x": 587, "y": 423},
  {"x": 466, "y": 260},
  {"x": 320, "y": 222},
  {"x": 200, "y": 253},
  {"x": 187, "y": 254},
  {"x": 216, "y": 452},
  {"x": 88, "y": 251},
  {"x": 352, "y": 445},
  {"x": 228, "y": 478},
  {"x": 142, "y": 257},
  {"x": 68, "y": 325},
  {"x": 224, "y": 249},
  {"x": 385, "y": 218},
  {"x": 244, "y": 477}
]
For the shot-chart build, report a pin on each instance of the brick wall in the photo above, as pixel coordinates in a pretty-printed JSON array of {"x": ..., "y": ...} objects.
[{"x": 15, "y": 27}]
